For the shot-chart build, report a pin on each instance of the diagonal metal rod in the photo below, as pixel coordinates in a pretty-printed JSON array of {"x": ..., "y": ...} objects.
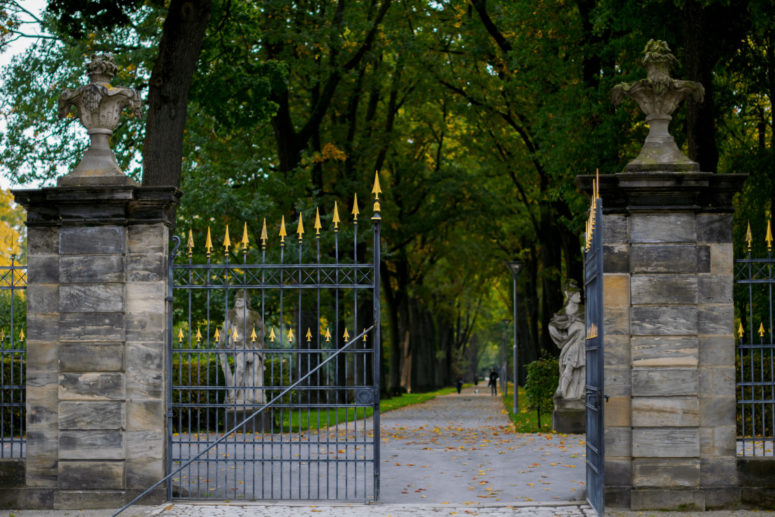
[{"x": 245, "y": 421}]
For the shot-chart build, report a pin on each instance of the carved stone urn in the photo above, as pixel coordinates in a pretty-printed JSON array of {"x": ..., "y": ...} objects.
[
  {"x": 658, "y": 97},
  {"x": 99, "y": 107}
]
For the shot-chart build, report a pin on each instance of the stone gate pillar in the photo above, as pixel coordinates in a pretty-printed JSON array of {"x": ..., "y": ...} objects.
[
  {"x": 669, "y": 317},
  {"x": 97, "y": 322}
]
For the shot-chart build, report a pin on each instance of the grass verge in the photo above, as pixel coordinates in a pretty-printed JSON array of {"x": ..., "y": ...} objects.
[{"x": 526, "y": 420}]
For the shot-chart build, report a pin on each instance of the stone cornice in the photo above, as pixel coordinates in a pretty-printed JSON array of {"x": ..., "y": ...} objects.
[
  {"x": 94, "y": 205},
  {"x": 628, "y": 192}
]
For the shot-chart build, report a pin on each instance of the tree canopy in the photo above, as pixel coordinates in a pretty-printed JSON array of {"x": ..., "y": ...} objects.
[{"x": 477, "y": 115}]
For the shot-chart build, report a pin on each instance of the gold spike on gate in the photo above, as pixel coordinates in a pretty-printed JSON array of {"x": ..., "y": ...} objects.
[
  {"x": 226, "y": 241},
  {"x": 761, "y": 329},
  {"x": 190, "y": 243},
  {"x": 740, "y": 330},
  {"x": 234, "y": 334},
  {"x": 355, "y": 211},
  {"x": 376, "y": 191},
  {"x": 300, "y": 228},
  {"x": 208, "y": 243},
  {"x": 283, "y": 233},
  {"x": 264, "y": 235},
  {"x": 272, "y": 335},
  {"x": 309, "y": 335},
  {"x": 2, "y": 335},
  {"x": 290, "y": 335},
  {"x": 749, "y": 237},
  {"x": 318, "y": 226},
  {"x": 198, "y": 335},
  {"x": 21, "y": 335},
  {"x": 768, "y": 238},
  {"x": 336, "y": 217},
  {"x": 217, "y": 335},
  {"x": 253, "y": 335},
  {"x": 328, "y": 335},
  {"x": 180, "y": 335},
  {"x": 346, "y": 336},
  {"x": 364, "y": 335},
  {"x": 245, "y": 239}
]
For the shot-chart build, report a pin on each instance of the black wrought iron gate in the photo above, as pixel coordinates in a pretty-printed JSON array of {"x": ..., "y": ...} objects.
[
  {"x": 274, "y": 365},
  {"x": 593, "y": 287}
]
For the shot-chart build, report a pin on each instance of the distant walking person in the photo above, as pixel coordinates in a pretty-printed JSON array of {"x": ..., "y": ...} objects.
[
  {"x": 493, "y": 384},
  {"x": 459, "y": 385}
]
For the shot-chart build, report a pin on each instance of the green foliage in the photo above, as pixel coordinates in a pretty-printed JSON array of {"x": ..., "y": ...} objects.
[
  {"x": 524, "y": 421},
  {"x": 542, "y": 379}
]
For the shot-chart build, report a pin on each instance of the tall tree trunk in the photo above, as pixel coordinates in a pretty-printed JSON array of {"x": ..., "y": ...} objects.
[{"x": 181, "y": 41}]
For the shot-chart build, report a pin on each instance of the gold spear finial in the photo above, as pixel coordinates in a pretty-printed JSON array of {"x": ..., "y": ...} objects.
[
  {"x": 272, "y": 335},
  {"x": 2, "y": 335},
  {"x": 376, "y": 191},
  {"x": 290, "y": 335},
  {"x": 328, "y": 335},
  {"x": 245, "y": 239},
  {"x": 336, "y": 217},
  {"x": 190, "y": 243},
  {"x": 761, "y": 329},
  {"x": 21, "y": 335},
  {"x": 264, "y": 235},
  {"x": 355, "y": 211},
  {"x": 253, "y": 335},
  {"x": 768, "y": 238},
  {"x": 283, "y": 233},
  {"x": 597, "y": 183},
  {"x": 198, "y": 335},
  {"x": 740, "y": 330},
  {"x": 234, "y": 334},
  {"x": 300, "y": 228},
  {"x": 309, "y": 335},
  {"x": 318, "y": 226},
  {"x": 226, "y": 240},
  {"x": 180, "y": 335},
  {"x": 208, "y": 242},
  {"x": 346, "y": 335},
  {"x": 364, "y": 335},
  {"x": 217, "y": 334},
  {"x": 749, "y": 237}
]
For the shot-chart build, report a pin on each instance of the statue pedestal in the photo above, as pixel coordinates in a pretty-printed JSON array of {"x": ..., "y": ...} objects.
[
  {"x": 261, "y": 423},
  {"x": 569, "y": 416}
]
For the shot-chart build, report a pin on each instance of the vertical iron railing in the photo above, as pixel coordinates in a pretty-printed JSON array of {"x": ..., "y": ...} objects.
[
  {"x": 241, "y": 333},
  {"x": 755, "y": 357},
  {"x": 13, "y": 354}
]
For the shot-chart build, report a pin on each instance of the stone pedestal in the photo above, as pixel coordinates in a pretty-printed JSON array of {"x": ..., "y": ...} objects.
[
  {"x": 569, "y": 416},
  {"x": 669, "y": 339},
  {"x": 96, "y": 353}
]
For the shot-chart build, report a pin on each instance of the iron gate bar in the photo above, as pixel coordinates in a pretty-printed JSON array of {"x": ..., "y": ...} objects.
[
  {"x": 13, "y": 279},
  {"x": 245, "y": 420}
]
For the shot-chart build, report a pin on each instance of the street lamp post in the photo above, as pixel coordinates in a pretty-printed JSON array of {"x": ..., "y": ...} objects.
[{"x": 515, "y": 267}]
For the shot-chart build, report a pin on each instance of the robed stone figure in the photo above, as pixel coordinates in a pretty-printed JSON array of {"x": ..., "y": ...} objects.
[{"x": 568, "y": 331}]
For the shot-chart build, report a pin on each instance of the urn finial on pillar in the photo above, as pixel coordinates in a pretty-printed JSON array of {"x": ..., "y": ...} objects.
[
  {"x": 99, "y": 108},
  {"x": 658, "y": 96}
]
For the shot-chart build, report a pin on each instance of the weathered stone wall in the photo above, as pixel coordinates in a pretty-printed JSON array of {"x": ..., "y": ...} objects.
[{"x": 96, "y": 354}]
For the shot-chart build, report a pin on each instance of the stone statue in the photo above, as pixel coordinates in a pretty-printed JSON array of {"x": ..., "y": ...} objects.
[
  {"x": 658, "y": 96},
  {"x": 568, "y": 331},
  {"x": 99, "y": 107},
  {"x": 247, "y": 374}
]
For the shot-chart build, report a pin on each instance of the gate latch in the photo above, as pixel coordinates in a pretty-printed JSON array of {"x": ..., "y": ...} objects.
[{"x": 365, "y": 396}]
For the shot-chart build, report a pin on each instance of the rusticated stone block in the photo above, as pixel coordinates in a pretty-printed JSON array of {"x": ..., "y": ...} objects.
[
  {"x": 719, "y": 472},
  {"x": 94, "y": 499},
  {"x": 146, "y": 444},
  {"x": 91, "y": 386},
  {"x": 41, "y": 378},
  {"x": 667, "y": 258},
  {"x": 617, "y": 381},
  {"x": 722, "y": 259},
  {"x": 665, "y": 320},
  {"x": 615, "y": 229},
  {"x": 714, "y": 227},
  {"x": 663, "y": 228},
  {"x": 145, "y": 327},
  {"x": 93, "y": 475},
  {"x": 91, "y": 445},
  {"x": 665, "y": 351},
  {"x": 617, "y": 350},
  {"x": 703, "y": 259},
  {"x": 716, "y": 319},
  {"x": 42, "y": 327},
  {"x": 617, "y": 412},
  {"x": 41, "y": 358},
  {"x": 618, "y": 441},
  {"x": 91, "y": 327},
  {"x": 666, "y": 472},
  {"x": 41, "y": 416},
  {"x": 665, "y": 411},
  {"x": 667, "y": 499},
  {"x": 43, "y": 269},
  {"x": 91, "y": 268},
  {"x": 91, "y": 298},
  {"x": 653, "y": 442},
  {"x": 42, "y": 298},
  {"x": 616, "y": 290},
  {"x": 616, "y": 321},
  {"x": 145, "y": 297},
  {"x": 142, "y": 473},
  {"x": 42, "y": 241},
  {"x": 147, "y": 384},
  {"x": 664, "y": 289},
  {"x": 144, "y": 415},
  {"x": 86, "y": 357},
  {"x": 715, "y": 411},
  {"x": 616, "y": 258},
  {"x": 90, "y": 415},
  {"x": 618, "y": 471},
  {"x": 718, "y": 382},
  {"x": 725, "y": 440},
  {"x": 148, "y": 238},
  {"x": 661, "y": 382},
  {"x": 92, "y": 240},
  {"x": 146, "y": 267},
  {"x": 715, "y": 288}
]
